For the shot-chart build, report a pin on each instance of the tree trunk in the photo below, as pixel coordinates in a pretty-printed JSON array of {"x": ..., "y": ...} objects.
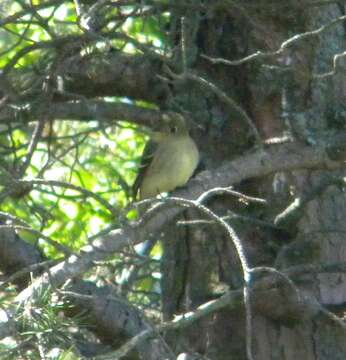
[{"x": 283, "y": 96}]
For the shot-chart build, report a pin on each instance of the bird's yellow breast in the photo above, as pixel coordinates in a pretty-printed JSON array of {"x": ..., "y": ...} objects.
[{"x": 173, "y": 164}]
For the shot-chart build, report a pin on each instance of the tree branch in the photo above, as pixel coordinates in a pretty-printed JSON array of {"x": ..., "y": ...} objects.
[
  {"x": 286, "y": 157},
  {"x": 80, "y": 110}
]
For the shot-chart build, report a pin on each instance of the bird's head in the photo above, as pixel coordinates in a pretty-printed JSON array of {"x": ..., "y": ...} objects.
[{"x": 173, "y": 124}]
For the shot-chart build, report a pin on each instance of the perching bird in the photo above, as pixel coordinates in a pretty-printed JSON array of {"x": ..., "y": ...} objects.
[{"x": 168, "y": 160}]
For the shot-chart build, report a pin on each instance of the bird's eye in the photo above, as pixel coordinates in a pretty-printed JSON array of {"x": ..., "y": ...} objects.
[{"x": 174, "y": 129}]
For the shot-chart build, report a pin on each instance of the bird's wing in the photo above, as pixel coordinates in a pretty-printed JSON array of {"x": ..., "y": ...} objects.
[{"x": 147, "y": 157}]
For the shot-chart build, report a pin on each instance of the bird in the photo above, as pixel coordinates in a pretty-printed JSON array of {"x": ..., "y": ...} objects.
[{"x": 169, "y": 159}]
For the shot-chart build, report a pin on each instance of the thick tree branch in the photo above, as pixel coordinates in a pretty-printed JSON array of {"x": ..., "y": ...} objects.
[
  {"x": 114, "y": 74},
  {"x": 97, "y": 75},
  {"x": 87, "y": 110}
]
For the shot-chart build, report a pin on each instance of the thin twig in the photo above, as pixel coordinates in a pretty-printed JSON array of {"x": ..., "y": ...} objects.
[
  {"x": 221, "y": 94},
  {"x": 67, "y": 185},
  {"x": 285, "y": 45}
]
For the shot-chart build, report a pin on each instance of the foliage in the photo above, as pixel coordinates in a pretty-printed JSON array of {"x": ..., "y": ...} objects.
[{"x": 98, "y": 156}]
